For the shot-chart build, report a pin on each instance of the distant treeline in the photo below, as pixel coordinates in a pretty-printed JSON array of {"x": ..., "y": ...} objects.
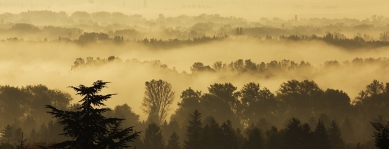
[
  {"x": 38, "y": 25},
  {"x": 74, "y": 35},
  {"x": 245, "y": 67},
  {"x": 250, "y": 116}
]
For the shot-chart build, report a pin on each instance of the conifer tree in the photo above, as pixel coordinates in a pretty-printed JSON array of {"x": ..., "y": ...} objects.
[
  {"x": 254, "y": 140},
  {"x": 293, "y": 134},
  {"x": 7, "y": 135},
  {"x": 173, "y": 142},
  {"x": 21, "y": 142},
  {"x": 212, "y": 134},
  {"x": 229, "y": 138},
  {"x": 381, "y": 135},
  {"x": 321, "y": 139},
  {"x": 153, "y": 138},
  {"x": 274, "y": 138},
  {"x": 347, "y": 130},
  {"x": 86, "y": 127},
  {"x": 335, "y": 136},
  {"x": 193, "y": 132}
]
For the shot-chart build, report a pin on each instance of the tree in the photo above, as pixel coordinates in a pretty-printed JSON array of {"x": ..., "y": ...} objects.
[
  {"x": 193, "y": 132},
  {"x": 7, "y": 135},
  {"x": 21, "y": 142},
  {"x": 189, "y": 103},
  {"x": 297, "y": 136},
  {"x": 87, "y": 127},
  {"x": 381, "y": 135},
  {"x": 320, "y": 135},
  {"x": 211, "y": 134},
  {"x": 347, "y": 130},
  {"x": 158, "y": 98},
  {"x": 257, "y": 103},
  {"x": 124, "y": 111},
  {"x": 229, "y": 137},
  {"x": 173, "y": 142},
  {"x": 300, "y": 97},
  {"x": 153, "y": 138},
  {"x": 335, "y": 136},
  {"x": 274, "y": 138},
  {"x": 255, "y": 140}
]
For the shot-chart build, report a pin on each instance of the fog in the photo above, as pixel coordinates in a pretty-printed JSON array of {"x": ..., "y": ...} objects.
[{"x": 49, "y": 63}]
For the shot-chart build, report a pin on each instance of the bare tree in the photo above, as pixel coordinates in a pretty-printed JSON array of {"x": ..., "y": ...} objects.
[{"x": 157, "y": 100}]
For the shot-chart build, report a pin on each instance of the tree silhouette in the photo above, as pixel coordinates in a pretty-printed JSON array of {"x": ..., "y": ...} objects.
[
  {"x": 7, "y": 135},
  {"x": 229, "y": 137},
  {"x": 320, "y": 135},
  {"x": 173, "y": 142},
  {"x": 21, "y": 142},
  {"x": 254, "y": 140},
  {"x": 153, "y": 138},
  {"x": 347, "y": 130},
  {"x": 211, "y": 134},
  {"x": 87, "y": 127},
  {"x": 381, "y": 135},
  {"x": 274, "y": 138},
  {"x": 335, "y": 136},
  {"x": 158, "y": 98},
  {"x": 297, "y": 136},
  {"x": 193, "y": 132}
]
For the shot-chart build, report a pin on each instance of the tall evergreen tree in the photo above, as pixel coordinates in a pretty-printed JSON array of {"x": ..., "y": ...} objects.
[
  {"x": 335, "y": 136},
  {"x": 381, "y": 135},
  {"x": 193, "y": 132},
  {"x": 153, "y": 138},
  {"x": 347, "y": 130},
  {"x": 211, "y": 134},
  {"x": 274, "y": 138},
  {"x": 297, "y": 136},
  {"x": 254, "y": 140},
  {"x": 173, "y": 142},
  {"x": 87, "y": 128},
  {"x": 229, "y": 138},
  {"x": 7, "y": 135},
  {"x": 321, "y": 139}
]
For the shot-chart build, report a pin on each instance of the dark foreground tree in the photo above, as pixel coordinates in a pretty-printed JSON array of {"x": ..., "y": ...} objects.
[
  {"x": 86, "y": 127},
  {"x": 381, "y": 135},
  {"x": 335, "y": 136},
  {"x": 173, "y": 142},
  {"x": 193, "y": 132},
  {"x": 153, "y": 138}
]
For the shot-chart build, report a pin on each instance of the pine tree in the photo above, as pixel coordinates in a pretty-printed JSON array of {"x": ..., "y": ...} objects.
[
  {"x": 320, "y": 135},
  {"x": 7, "y": 135},
  {"x": 153, "y": 138},
  {"x": 274, "y": 138},
  {"x": 297, "y": 136},
  {"x": 381, "y": 135},
  {"x": 229, "y": 138},
  {"x": 212, "y": 134},
  {"x": 21, "y": 142},
  {"x": 255, "y": 140},
  {"x": 173, "y": 142},
  {"x": 335, "y": 136},
  {"x": 87, "y": 128},
  {"x": 193, "y": 132},
  {"x": 347, "y": 130}
]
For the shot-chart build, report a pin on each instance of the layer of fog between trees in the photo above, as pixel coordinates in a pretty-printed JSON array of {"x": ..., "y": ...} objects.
[{"x": 51, "y": 64}]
